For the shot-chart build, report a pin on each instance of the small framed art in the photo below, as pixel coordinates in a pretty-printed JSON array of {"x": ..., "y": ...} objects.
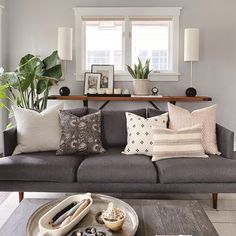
[
  {"x": 91, "y": 82},
  {"x": 107, "y": 79}
]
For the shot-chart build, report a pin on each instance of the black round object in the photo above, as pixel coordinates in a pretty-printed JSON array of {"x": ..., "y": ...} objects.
[
  {"x": 155, "y": 91},
  {"x": 191, "y": 92},
  {"x": 64, "y": 91}
]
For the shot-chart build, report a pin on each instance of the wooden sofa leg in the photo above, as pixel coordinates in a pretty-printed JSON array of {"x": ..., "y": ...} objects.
[
  {"x": 21, "y": 196},
  {"x": 214, "y": 199}
]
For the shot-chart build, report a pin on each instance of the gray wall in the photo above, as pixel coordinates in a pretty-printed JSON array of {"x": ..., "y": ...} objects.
[{"x": 32, "y": 28}]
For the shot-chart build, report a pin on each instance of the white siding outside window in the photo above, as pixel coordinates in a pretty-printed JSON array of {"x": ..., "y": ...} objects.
[{"x": 119, "y": 36}]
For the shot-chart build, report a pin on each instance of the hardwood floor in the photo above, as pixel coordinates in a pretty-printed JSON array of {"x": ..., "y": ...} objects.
[
  {"x": 3, "y": 197},
  {"x": 224, "y": 219}
]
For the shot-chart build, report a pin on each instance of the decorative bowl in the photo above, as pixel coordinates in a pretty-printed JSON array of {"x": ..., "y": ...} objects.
[
  {"x": 114, "y": 225},
  {"x": 46, "y": 228}
]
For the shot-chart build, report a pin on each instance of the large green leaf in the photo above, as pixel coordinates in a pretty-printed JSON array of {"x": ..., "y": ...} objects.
[
  {"x": 131, "y": 71},
  {"x": 26, "y": 83},
  {"x": 4, "y": 87},
  {"x": 51, "y": 61},
  {"x": 2, "y": 95},
  {"x": 25, "y": 59},
  {"x": 29, "y": 67},
  {"x": 9, "y": 78},
  {"x": 54, "y": 72},
  {"x": 40, "y": 69},
  {"x": 41, "y": 86}
]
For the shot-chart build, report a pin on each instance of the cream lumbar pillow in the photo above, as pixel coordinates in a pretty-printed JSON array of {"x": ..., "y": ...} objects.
[
  {"x": 37, "y": 131},
  {"x": 139, "y": 133},
  {"x": 186, "y": 142},
  {"x": 181, "y": 118}
]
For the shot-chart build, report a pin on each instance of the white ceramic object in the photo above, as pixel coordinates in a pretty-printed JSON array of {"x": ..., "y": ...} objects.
[
  {"x": 115, "y": 225},
  {"x": 109, "y": 91},
  {"x": 101, "y": 91},
  {"x": 45, "y": 229},
  {"x": 117, "y": 91},
  {"x": 92, "y": 91},
  {"x": 141, "y": 86},
  {"x": 125, "y": 91}
]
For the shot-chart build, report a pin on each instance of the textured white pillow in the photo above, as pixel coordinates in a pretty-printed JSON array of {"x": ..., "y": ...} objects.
[
  {"x": 37, "y": 131},
  {"x": 182, "y": 118},
  {"x": 169, "y": 143},
  {"x": 139, "y": 133}
]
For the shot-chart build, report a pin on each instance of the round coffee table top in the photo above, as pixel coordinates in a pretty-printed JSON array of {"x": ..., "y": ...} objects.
[{"x": 100, "y": 203}]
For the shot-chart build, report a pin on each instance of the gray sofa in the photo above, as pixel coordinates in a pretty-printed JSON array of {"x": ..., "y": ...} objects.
[{"x": 113, "y": 172}]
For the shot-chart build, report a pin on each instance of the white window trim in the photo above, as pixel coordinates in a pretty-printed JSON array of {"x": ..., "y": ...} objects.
[
  {"x": 1, "y": 113},
  {"x": 126, "y": 12}
]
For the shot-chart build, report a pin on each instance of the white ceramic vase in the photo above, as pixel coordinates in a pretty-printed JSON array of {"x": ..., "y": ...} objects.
[{"x": 141, "y": 86}]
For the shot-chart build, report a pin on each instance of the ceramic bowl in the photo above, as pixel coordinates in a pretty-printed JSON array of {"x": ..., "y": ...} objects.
[{"x": 115, "y": 225}]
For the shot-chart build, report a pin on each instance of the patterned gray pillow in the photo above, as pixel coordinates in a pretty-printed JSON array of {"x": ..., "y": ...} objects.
[{"x": 80, "y": 134}]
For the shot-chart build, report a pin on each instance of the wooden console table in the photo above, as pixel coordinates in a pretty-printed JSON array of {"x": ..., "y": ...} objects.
[{"x": 151, "y": 99}]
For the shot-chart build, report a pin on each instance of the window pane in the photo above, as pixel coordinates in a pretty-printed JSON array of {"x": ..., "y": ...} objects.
[
  {"x": 150, "y": 39},
  {"x": 103, "y": 43}
]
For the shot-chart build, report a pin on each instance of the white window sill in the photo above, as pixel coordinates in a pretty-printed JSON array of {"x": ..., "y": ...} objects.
[{"x": 125, "y": 77}]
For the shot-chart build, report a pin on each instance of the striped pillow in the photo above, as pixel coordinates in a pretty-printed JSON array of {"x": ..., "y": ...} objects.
[{"x": 186, "y": 142}]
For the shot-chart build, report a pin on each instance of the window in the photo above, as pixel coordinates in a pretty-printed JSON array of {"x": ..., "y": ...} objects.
[
  {"x": 150, "y": 39},
  {"x": 119, "y": 36},
  {"x": 103, "y": 43}
]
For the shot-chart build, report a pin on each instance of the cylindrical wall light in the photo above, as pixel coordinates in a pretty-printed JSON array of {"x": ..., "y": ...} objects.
[
  {"x": 191, "y": 54},
  {"x": 65, "y": 41},
  {"x": 191, "y": 44}
]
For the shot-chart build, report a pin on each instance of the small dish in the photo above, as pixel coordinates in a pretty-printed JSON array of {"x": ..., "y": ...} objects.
[{"x": 115, "y": 225}]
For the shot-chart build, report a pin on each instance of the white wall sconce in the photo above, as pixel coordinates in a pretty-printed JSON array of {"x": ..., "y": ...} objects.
[
  {"x": 191, "y": 54},
  {"x": 65, "y": 45}
]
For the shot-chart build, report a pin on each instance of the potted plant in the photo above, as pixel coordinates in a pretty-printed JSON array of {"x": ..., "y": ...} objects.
[
  {"x": 28, "y": 86},
  {"x": 140, "y": 75}
]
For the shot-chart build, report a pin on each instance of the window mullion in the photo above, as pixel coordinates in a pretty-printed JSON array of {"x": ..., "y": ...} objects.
[{"x": 127, "y": 38}]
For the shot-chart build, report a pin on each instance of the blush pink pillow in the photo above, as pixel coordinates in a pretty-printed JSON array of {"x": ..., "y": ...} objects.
[{"x": 181, "y": 118}]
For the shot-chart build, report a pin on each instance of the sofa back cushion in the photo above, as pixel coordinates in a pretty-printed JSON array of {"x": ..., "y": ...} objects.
[
  {"x": 114, "y": 132},
  {"x": 154, "y": 112}
]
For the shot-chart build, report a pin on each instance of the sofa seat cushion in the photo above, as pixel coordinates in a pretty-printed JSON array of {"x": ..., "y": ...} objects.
[
  {"x": 214, "y": 169},
  {"x": 43, "y": 166},
  {"x": 114, "y": 167}
]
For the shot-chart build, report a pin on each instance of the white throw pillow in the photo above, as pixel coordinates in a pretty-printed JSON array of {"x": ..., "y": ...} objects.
[
  {"x": 37, "y": 131},
  {"x": 186, "y": 142},
  {"x": 182, "y": 118},
  {"x": 139, "y": 133}
]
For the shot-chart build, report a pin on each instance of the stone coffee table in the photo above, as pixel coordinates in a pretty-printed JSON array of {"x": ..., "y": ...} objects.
[{"x": 156, "y": 217}]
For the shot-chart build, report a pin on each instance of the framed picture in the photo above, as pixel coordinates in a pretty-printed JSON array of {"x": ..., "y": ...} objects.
[
  {"x": 91, "y": 82},
  {"x": 107, "y": 79}
]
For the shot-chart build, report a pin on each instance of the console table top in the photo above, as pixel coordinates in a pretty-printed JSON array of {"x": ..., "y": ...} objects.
[{"x": 140, "y": 99}]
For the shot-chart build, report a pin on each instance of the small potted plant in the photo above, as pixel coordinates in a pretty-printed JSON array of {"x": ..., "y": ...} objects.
[{"x": 140, "y": 75}]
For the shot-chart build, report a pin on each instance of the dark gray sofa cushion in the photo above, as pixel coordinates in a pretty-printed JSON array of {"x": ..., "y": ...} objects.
[
  {"x": 214, "y": 169},
  {"x": 154, "y": 112},
  {"x": 82, "y": 111},
  {"x": 114, "y": 167},
  {"x": 114, "y": 131},
  {"x": 43, "y": 166}
]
